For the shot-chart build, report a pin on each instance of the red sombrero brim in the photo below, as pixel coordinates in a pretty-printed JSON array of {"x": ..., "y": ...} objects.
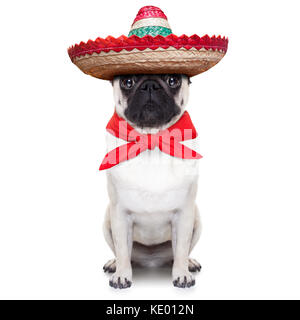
[{"x": 106, "y": 58}]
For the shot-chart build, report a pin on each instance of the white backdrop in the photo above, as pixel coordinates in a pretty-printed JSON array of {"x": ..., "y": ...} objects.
[{"x": 52, "y": 125}]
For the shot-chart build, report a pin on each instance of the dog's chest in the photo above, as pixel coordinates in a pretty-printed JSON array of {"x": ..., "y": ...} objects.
[{"x": 152, "y": 181}]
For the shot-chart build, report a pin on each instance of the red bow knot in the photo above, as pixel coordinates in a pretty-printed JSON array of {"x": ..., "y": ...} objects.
[
  {"x": 150, "y": 141},
  {"x": 168, "y": 141},
  {"x": 153, "y": 141}
]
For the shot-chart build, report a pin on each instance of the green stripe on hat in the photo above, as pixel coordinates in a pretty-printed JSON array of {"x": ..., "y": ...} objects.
[{"x": 151, "y": 31}]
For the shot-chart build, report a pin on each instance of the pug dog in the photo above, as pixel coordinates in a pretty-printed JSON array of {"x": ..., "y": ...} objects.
[{"x": 152, "y": 219}]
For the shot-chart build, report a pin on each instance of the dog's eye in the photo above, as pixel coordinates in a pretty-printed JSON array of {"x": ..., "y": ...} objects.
[
  {"x": 127, "y": 83},
  {"x": 173, "y": 82}
]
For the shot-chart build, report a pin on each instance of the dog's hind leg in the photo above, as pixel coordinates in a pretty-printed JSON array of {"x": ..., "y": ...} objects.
[
  {"x": 107, "y": 230},
  {"x": 110, "y": 265},
  {"x": 194, "y": 265}
]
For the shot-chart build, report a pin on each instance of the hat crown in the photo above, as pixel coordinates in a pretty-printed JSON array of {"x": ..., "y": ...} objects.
[
  {"x": 150, "y": 12},
  {"x": 150, "y": 21}
]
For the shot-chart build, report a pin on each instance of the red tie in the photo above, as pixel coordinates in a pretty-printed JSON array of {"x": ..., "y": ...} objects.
[{"x": 168, "y": 141}]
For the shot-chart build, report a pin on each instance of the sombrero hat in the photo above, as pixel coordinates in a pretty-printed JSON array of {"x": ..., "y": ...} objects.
[{"x": 150, "y": 48}]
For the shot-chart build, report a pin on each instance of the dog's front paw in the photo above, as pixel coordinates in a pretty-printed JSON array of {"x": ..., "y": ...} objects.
[
  {"x": 121, "y": 280},
  {"x": 183, "y": 279}
]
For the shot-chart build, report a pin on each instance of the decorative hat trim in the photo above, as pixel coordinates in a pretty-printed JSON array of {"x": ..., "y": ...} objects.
[
  {"x": 151, "y": 22},
  {"x": 135, "y": 50},
  {"x": 134, "y": 42},
  {"x": 151, "y": 31}
]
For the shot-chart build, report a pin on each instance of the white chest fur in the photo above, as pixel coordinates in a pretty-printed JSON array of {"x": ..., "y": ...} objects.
[{"x": 153, "y": 181}]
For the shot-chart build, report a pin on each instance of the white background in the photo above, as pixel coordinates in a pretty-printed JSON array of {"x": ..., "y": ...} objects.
[{"x": 52, "y": 126}]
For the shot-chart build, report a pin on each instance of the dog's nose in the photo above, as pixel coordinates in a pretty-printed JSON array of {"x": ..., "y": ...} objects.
[{"x": 150, "y": 85}]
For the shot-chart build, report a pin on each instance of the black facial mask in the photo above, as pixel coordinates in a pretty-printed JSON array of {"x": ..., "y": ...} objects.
[{"x": 150, "y": 98}]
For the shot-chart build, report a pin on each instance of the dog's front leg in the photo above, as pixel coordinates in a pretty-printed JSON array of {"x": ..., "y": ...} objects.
[
  {"x": 121, "y": 227},
  {"x": 182, "y": 231}
]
